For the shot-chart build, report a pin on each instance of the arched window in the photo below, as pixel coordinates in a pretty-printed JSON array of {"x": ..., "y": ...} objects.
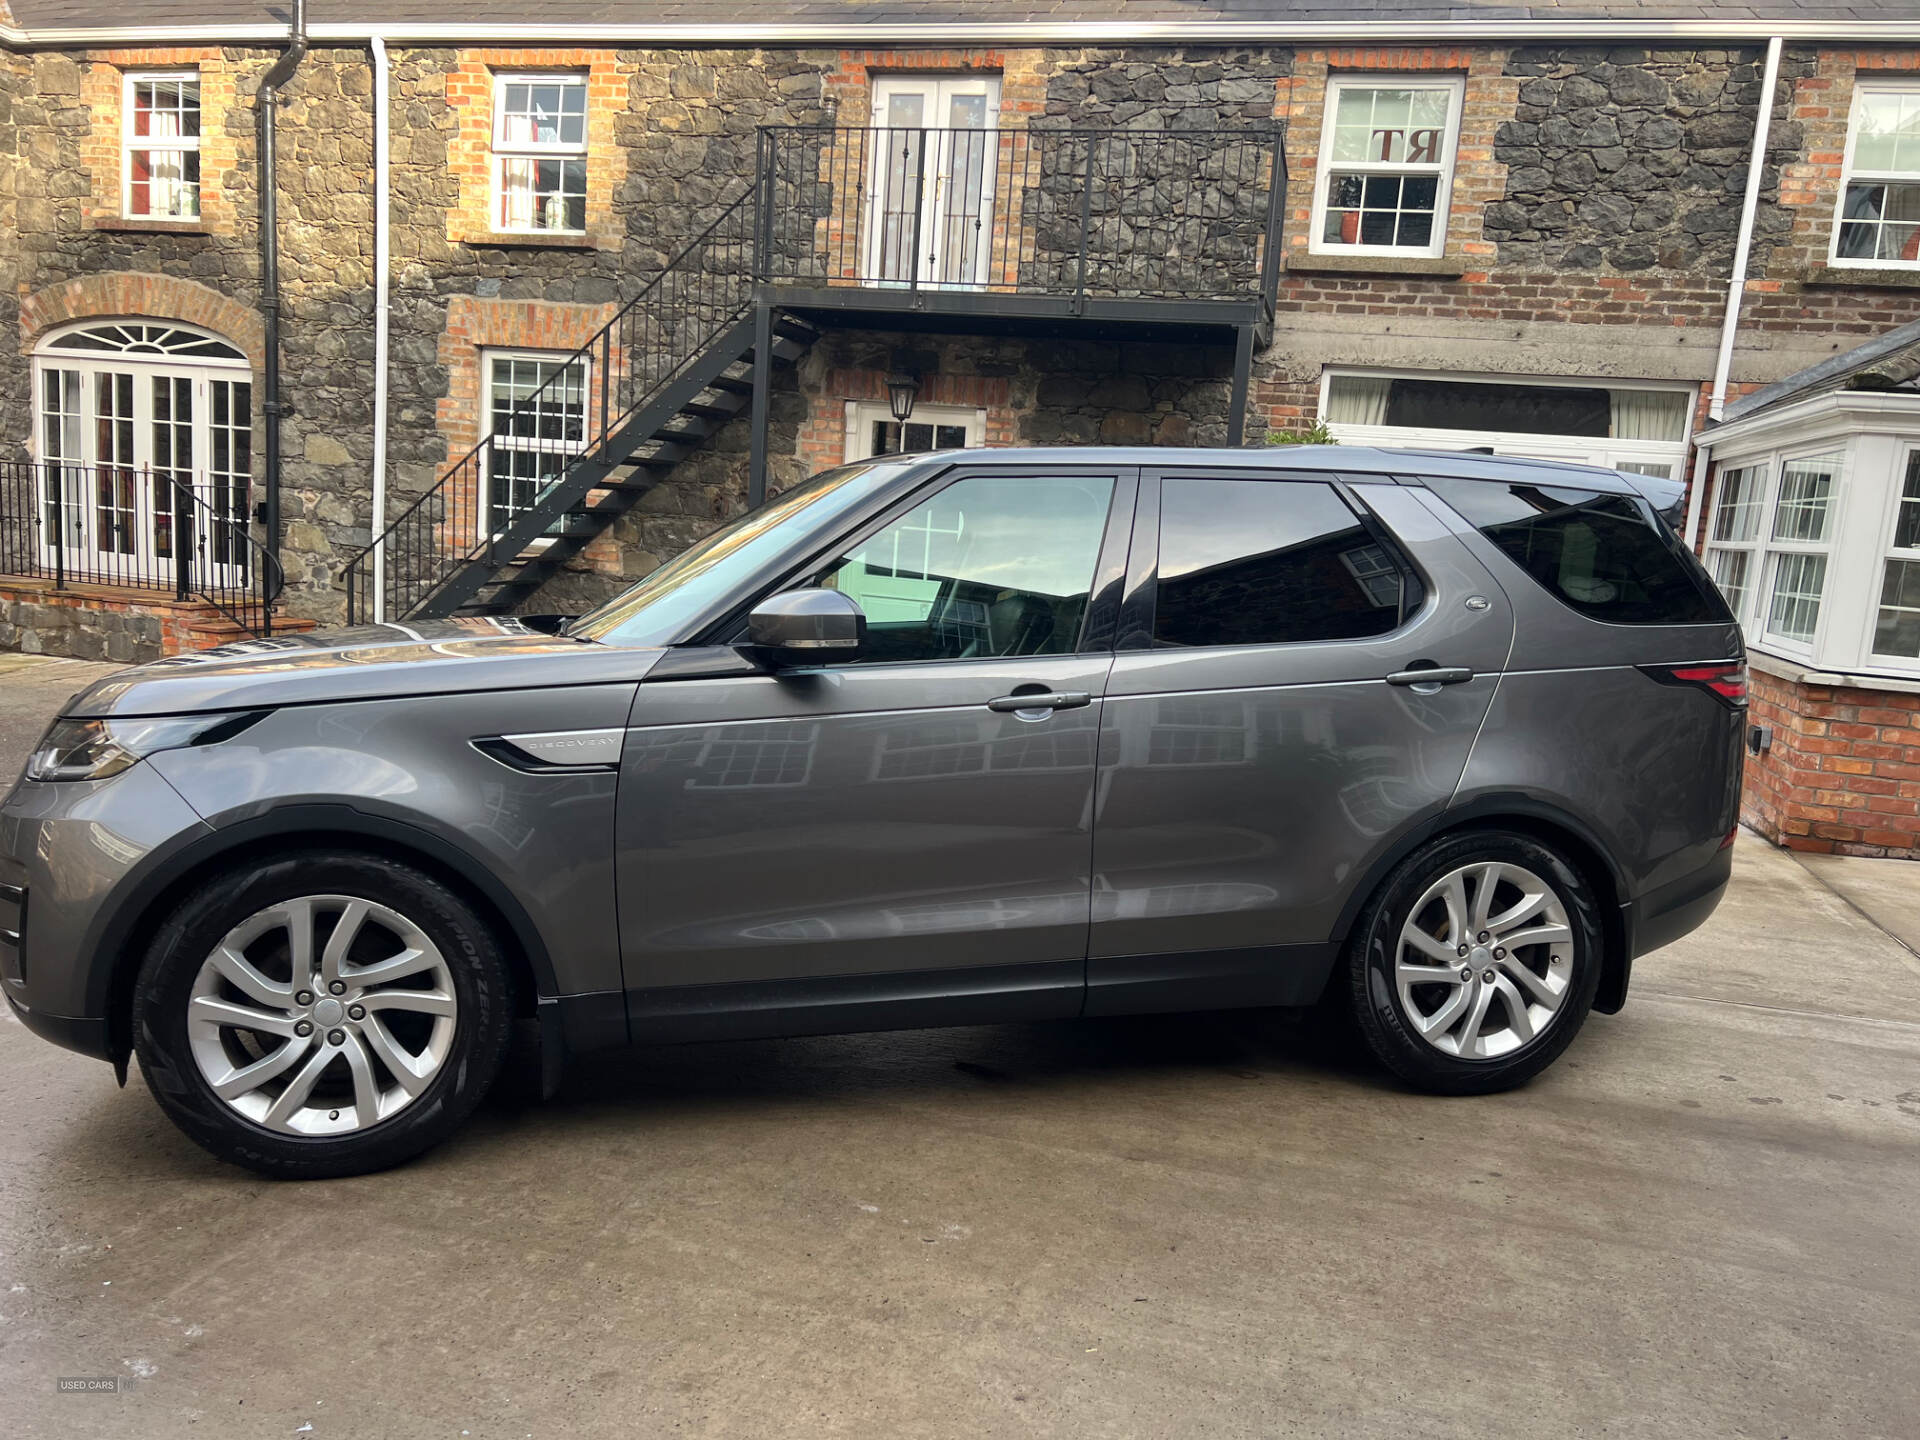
[{"x": 126, "y": 413}]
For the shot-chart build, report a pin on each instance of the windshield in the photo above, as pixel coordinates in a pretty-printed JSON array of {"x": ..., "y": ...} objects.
[{"x": 655, "y": 611}]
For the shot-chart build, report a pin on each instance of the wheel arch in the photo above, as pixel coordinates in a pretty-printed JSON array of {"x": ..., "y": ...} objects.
[
  {"x": 1546, "y": 823},
  {"x": 157, "y": 891}
]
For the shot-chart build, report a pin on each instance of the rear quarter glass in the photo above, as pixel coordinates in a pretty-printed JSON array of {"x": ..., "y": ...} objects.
[{"x": 1607, "y": 557}]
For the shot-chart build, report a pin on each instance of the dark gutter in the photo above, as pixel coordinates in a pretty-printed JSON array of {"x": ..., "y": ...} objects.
[{"x": 265, "y": 100}]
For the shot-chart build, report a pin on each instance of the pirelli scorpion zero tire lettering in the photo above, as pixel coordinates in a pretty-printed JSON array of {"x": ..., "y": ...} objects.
[
  {"x": 321, "y": 1014},
  {"x": 1477, "y": 962}
]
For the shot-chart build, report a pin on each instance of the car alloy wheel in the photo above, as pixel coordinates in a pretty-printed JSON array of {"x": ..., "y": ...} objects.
[
  {"x": 322, "y": 1015},
  {"x": 1485, "y": 961}
]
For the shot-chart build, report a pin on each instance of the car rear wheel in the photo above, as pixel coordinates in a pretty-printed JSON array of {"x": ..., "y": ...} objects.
[
  {"x": 1477, "y": 963},
  {"x": 321, "y": 1014}
]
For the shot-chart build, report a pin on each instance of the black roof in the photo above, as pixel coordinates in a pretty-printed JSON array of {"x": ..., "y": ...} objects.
[{"x": 853, "y": 16}]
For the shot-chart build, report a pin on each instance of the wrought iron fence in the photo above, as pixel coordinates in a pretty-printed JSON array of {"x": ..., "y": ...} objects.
[
  {"x": 167, "y": 532},
  {"x": 473, "y": 512},
  {"x": 1171, "y": 214}
]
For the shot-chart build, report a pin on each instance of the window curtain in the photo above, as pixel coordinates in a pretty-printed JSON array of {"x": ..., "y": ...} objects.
[
  {"x": 166, "y": 165},
  {"x": 1357, "y": 400},
  {"x": 1649, "y": 415},
  {"x": 516, "y": 177}
]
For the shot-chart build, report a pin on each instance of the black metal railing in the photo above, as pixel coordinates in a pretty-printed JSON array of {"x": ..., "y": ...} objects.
[
  {"x": 1086, "y": 214},
  {"x": 176, "y": 533},
  {"x": 1163, "y": 214},
  {"x": 473, "y": 511}
]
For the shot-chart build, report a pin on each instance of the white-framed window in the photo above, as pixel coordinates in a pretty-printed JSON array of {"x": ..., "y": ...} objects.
[
  {"x": 1797, "y": 548},
  {"x": 1813, "y": 531},
  {"x": 1896, "y": 620},
  {"x": 1386, "y": 165},
  {"x": 1638, "y": 427},
  {"x": 540, "y": 153},
  {"x": 1734, "y": 533},
  {"x": 537, "y": 409},
  {"x": 872, "y": 430},
  {"x": 1879, "y": 219},
  {"x": 160, "y": 145}
]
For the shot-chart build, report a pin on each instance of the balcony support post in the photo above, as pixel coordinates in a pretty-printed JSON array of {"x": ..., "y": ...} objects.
[
  {"x": 762, "y": 398},
  {"x": 1242, "y": 383}
]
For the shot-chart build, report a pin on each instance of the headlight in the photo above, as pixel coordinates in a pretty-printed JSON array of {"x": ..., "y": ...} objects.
[{"x": 96, "y": 749}]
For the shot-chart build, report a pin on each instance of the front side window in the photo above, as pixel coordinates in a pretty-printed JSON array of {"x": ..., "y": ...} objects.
[
  {"x": 161, "y": 147},
  {"x": 1879, "y": 221},
  {"x": 1386, "y": 165},
  {"x": 991, "y": 566},
  {"x": 1896, "y": 629},
  {"x": 1270, "y": 562},
  {"x": 540, "y": 153},
  {"x": 537, "y": 421},
  {"x": 1601, "y": 555}
]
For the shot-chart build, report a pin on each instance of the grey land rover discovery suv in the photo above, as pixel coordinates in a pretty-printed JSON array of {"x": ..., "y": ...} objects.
[{"x": 936, "y": 740}]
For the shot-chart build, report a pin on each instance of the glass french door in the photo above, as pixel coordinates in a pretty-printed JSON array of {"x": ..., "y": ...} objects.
[
  {"x": 930, "y": 200},
  {"x": 122, "y": 444}
]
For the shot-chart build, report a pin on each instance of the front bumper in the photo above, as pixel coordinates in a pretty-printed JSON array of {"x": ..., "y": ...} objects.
[
  {"x": 70, "y": 857},
  {"x": 86, "y": 1034}
]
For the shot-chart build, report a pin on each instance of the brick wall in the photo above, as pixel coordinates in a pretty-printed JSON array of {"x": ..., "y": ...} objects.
[
  {"x": 470, "y": 83},
  {"x": 1844, "y": 770}
]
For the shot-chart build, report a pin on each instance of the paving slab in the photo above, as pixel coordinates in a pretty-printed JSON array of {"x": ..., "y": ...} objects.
[{"x": 1886, "y": 891}]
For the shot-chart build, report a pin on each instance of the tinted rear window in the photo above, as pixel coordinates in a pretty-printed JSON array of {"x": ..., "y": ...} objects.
[
  {"x": 1601, "y": 554},
  {"x": 1270, "y": 562}
]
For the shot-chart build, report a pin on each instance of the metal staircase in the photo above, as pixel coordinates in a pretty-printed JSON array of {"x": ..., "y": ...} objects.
[{"x": 663, "y": 376}]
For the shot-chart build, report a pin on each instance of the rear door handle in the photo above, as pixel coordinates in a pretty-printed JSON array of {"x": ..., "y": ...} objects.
[
  {"x": 1046, "y": 700},
  {"x": 1433, "y": 675}
]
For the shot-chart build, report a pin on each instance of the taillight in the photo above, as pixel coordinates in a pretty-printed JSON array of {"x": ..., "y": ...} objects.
[{"x": 1725, "y": 678}]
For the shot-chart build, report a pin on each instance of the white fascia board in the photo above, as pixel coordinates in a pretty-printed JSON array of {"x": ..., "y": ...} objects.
[
  {"x": 1221, "y": 32},
  {"x": 1818, "y": 416}
]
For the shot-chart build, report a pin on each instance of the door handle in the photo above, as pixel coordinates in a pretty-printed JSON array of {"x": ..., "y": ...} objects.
[
  {"x": 1431, "y": 677},
  {"x": 1046, "y": 700}
]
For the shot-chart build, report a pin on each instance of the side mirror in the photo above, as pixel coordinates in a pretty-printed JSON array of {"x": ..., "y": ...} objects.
[{"x": 806, "y": 627}]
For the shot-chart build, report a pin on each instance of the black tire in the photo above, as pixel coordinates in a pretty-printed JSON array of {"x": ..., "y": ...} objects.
[
  {"x": 483, "y": 990},
  {"x": 1374, "y": 998}
]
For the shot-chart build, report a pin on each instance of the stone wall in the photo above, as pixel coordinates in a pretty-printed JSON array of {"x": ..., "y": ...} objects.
[{"x": 1625, "y": 160}]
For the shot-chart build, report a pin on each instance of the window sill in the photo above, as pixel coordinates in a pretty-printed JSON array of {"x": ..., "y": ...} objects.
[
  {"x": 1862, "y": 277},
  {"x": 532, "y": 240},
  {"x": 145, "y": 225},
  {"x": 1782, "y": 668},
  {"x": 1443, "y": 267}
]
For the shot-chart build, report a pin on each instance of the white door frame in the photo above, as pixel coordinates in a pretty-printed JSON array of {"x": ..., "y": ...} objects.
[
  {"x": 945, "y": 152},
  {"x": 861, "y": 415},
  {"x": 118, "y": 489}
]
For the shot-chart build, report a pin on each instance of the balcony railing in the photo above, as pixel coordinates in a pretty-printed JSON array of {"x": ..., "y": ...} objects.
[
  {"x": 171, "y": 533},
  {"x": 1087, "y": 214}
]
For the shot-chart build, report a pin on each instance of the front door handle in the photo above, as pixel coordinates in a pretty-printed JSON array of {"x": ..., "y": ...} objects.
[
  {"x": 1431, "y": 677},
  {"x": 1045, "y": 700}
]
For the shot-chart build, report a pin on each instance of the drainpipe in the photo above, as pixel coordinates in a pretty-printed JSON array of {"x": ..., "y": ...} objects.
[
  {"x": 1737, "y": 284},
  {"x": 265, "y": 99},
  {"x": 382, "y": 314}
]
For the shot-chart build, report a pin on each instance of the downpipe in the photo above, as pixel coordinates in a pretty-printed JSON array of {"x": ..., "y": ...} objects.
[
  {"x": 382, "y": 317},
  {"x": 1736, "y": 284},
  {"x": 265, "y": 100}
]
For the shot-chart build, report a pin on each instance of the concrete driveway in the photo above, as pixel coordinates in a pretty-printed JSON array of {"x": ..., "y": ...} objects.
[{"x": 1700, "y": 1223}]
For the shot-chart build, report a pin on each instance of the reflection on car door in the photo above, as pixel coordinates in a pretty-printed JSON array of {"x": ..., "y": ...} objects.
[
  {"x": 1254, "y": 759},
  {"x": 895, "y": 832}
]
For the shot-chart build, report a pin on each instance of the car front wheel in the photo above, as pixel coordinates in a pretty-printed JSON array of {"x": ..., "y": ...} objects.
[
  {"x": 321, "y": 1014},
  {"x": 1477, "y": 963}
]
